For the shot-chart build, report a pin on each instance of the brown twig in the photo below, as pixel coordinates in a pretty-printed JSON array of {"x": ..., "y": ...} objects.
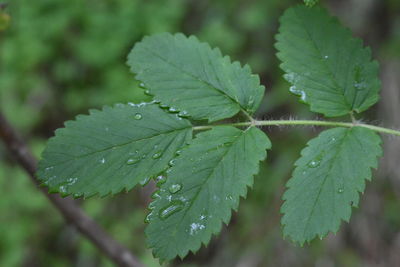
[{"x": 66, "y": 206}]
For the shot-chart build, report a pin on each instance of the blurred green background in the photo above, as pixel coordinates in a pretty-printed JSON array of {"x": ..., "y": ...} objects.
[{"x": 61, "y": 57}]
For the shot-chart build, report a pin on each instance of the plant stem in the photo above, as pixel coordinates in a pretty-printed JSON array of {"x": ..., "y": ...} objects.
[{"x": 303, "y": 122}]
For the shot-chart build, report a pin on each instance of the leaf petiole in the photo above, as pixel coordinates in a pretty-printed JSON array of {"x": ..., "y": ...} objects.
[{"x": 303, "y": 123}]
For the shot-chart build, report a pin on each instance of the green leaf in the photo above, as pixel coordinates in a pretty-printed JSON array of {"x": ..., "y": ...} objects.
[
  {"x": 327, "y": 180},
  {"x": 192, "y": 78},
  {"x": 203, "y": 186},
  {"x": 111, "y": 150},
  {"x": 326, "y": 66}
]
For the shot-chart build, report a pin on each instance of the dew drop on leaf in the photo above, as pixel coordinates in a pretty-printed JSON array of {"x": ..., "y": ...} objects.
[
  {"x": 195, "y": 227},
  {"x": 138, "y": 116},
  {"x": 175, "y": 188},
  {"x": 315, "y": 162},
  {"x": 171, "y": 162},
  {"x": 157, "y": 155},
  {"x": 183, "y": 113},
  {"x": 144, "y": 181},
  {"x": 148, "y": 217},
  {"x": 341, "y": 190},
  {"x": 132, "y": 161},
  {"x": 172, "y": 208},
  {"x": 141, "y": 85},
  {"x": 161, "y": 179}
]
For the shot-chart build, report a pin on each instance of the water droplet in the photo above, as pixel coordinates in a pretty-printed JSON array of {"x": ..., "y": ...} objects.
[
  {"x": 141, "y": 85},
  {"x": 326, "y": 57},
  {"x": 138, "y": 116},
  {"x": 172, "y": 208},
  {"x": 147, "y": 92},
  {"x": 315, "y": 162},
  {"x": 48, "y": 169},
  {"x": 161, "y": 179},
  {"x": 303, "y": 96},
  {"x": 144, "y": 181},
  {"x": 148, "y": 217},
  {"x": 155, "y": 195},
  {"x": 183, "y": 113},
  {"x": 172, "y": 109},
  {"x": 172, "y": 162},
  {"x": 178, "y": 152},
  {"x": 175, "y": 188},
  {"x": 195, "y": 227},
  {"x": 103, "y": 160},
  {"x": 202, "y": 217},
  {"x": 72, "y": 181},
  {"x": 341, "y": 190},
  {"x": 251, "y": 101},
  {"x": 63, "y": 189},
  {"x": 132, "y": 161},
  {"x": 157, "y": 155}
]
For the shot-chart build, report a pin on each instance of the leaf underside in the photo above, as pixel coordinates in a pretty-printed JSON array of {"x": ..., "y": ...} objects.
[
  {"x": 203, "y": 186},
  {"x": 112, "y": 149},
  {"x": 327, "y": 67},
  {"x": 190, "y": 77},
  {"x": 327, "y": 180}
]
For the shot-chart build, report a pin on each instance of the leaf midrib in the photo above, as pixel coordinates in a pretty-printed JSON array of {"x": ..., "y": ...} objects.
[
  {"x": 329, "y": 71},
  {"x": 219, "y": 90},
  {"x": 120, "y": 145},
  {"x": 325, "y": 179},
  {"x": 208, "y": 177}
]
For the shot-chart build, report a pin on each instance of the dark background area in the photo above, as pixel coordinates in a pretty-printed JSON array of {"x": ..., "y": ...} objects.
[{"x": 61, "y": 57}]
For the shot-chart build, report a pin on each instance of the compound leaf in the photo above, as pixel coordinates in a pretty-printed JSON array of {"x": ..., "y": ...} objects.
[
  {"x": 203, "y": 186},
  {"x": 111, "y": 150},
  {"x": 327, "y": 180},
  {"x": 192, "y": 78},
  {"x": 326, "y": 66}
]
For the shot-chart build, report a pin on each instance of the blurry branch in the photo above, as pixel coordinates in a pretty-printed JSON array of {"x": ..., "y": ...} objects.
[{"x": 67, "y": 207}]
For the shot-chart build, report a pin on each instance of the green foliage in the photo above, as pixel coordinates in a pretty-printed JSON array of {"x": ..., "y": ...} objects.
[
  {"x": 201, "y": 180},
  {"x": 112, "y": 150},
  {"x": 189, "y": 76},
  {"x": 327, "y": 180},
  {"x": 204, "y": 184},
  {"x": 326, "y": 66}
]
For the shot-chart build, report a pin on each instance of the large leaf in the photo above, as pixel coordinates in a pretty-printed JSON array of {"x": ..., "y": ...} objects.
[
  {"x": 111, "y": 150},
  {"x": 203, "y": 186},
  {"x": 327, "y": 180},
  {"x": 191, "y": 77},
  {"x": 326, "y": 66}
]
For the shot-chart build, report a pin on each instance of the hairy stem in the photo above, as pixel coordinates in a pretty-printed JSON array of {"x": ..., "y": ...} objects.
[{"x": 304, "y": 123}]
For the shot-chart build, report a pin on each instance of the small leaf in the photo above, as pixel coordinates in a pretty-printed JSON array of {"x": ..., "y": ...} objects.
[
  {"x": 192, "y": 78},
  {"x": 326, "y": 66},
  {"x": 327, "y": 180},
  {"x": 203, "y": 186},
  {"x": 111, "y": 150}
]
